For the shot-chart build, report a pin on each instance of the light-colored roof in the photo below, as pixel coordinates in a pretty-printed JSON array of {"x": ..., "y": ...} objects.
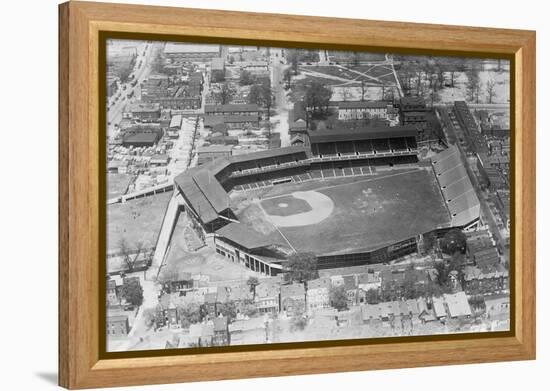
[{"x": 458, "y": 304}]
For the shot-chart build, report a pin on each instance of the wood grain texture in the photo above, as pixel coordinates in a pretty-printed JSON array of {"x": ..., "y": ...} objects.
[{"x": 80, "y": 24}]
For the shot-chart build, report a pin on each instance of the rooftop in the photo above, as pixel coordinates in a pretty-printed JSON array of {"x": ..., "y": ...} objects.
[{"x": 365, "y": 133}]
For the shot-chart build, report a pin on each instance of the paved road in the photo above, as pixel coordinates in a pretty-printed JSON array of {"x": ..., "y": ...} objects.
[
  {"x": 114, "y": 113},
  {"x": 282, "y": 104}
]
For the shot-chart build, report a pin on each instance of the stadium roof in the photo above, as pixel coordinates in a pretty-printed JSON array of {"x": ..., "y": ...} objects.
[
  {"x": 456, "y": 187},
  {"x": 268, "y": 153},
  {"x": 366, "y": 133},
  {"x": 212, "y": 190},
  {"x": 245, "y": 236}
]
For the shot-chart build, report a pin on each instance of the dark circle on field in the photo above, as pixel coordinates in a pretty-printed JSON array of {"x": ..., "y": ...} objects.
[{"x": 285, "y": 206}]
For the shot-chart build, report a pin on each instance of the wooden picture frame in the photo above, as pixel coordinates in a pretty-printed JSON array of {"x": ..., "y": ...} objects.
[{"x": 81, "y": 364}]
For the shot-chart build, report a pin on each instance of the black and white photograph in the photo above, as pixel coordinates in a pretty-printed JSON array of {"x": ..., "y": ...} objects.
[{"x": 261, "y": 195}]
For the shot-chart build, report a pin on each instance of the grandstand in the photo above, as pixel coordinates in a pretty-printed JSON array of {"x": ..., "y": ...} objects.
[
  {"x": 332, "y": 156},
  {"x": 363, "y": 142},
  {"x": 456, "y": 188}
]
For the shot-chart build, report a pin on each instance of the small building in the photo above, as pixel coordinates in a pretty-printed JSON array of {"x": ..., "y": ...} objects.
[
  {"x": 233, "y": 109},
  {"x": 318, "y": 292},
  {"x": 292, "y": 299},
  {"x": 267, "y": 297},
  {"x": 439, "y": 308},
  {"x": 357, "y": 110},
  {"x": 217, "y": 70},
  {"x": 221, "y": 335},
  {"x": 141, "y": 137},
  {"x": 145, "y": 112},
  {"x": 159, "y": 160},
  {"x": 211, "y": 152},
  {"x": 117, "y": 326},
  {"x": 199, "y": 53},
  {"x": 458, "y": 305}
]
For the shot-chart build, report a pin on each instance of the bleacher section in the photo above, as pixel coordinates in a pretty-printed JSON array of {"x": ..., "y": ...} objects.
[
  {"x": 342, "y": 144},
  {"x": 456, "y": 187}
]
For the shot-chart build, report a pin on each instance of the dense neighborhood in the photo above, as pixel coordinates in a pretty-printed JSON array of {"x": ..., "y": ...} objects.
[{"x": 269, "y": 195}]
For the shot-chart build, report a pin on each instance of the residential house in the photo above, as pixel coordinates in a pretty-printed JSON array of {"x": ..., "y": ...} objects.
[
  {"x": 221, "y": 332},
  {"x": 458, "y": 305},
  {"x": 357, "y": 110},
  {"x": 112, "y": 294},
  {"x": 117, "y": 326},
  {"x": 318, "y": 293},
  {"x": 439, "y": 308},
  {"x": 145, "y": 112},
  {"x": 350, "y": 286},
  {"x": 267, "y": 297},
  {"x": 241, "y": 296},
  {"x": 292, "y": 299},
  {"x": 248, "y": 331},
  {"x": 233, "y": 109}
]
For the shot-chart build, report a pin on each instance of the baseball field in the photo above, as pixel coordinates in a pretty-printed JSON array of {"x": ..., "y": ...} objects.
[{"x": 348, "y": 214}]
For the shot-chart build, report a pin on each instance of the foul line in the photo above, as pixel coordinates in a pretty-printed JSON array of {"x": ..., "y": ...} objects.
[
  {"x": 277, "y": 228},
  {"x": 342, "y": 184}
]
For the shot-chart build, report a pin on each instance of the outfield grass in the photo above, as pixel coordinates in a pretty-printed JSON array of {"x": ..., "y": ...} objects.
[{"x": 370, "y": 212}]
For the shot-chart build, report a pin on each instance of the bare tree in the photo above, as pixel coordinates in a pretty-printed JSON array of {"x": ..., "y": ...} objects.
[
  {"x": 453, "y": 75},
  {"x": 130, "y": 255},
  {"x": 364, "y": 89},
  {"x": 490, "y": 88}
]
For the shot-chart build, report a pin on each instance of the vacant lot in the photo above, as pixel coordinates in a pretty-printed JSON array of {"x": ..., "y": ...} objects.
[
  {"x": 136, "y": 221},
  {"x": 117, "y": 184}
]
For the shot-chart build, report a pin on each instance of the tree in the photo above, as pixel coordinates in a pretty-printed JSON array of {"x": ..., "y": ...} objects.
[
  {"x": 129, "y": 255},
  {"x": 261, "y": 95},
  {"x": 364, "y": 89},
  {"x": 473, "y": 86},
  {"x": 338, "y": 298},
  {"x": 298, "y": 322},
  {"x": 453, "y": 75},
  {"x": 490, "y": 88},
  {"x": 229, "y": 310},
  {"x": 158, "y": 63},
  {"x": 253, "y": 282},
  {"x": 453, "y": 241},
  {"x": 225, "y": 94},
  {"x": 430, "y": 241},
  {"x": 190, "y": 314},
  {"x": 317, "y": 97},
  {"x": 441, "y": 270},
  {"x": 372, "y": 296},
  {"x": 249, "y": 309},
  {"x": 301, "y": 267},
  {"x": 246, "y": 78},
  {"x": 292, "y": 57},
  {"x": 287, "y": 77},
  {"x": 132, "y": 292}
]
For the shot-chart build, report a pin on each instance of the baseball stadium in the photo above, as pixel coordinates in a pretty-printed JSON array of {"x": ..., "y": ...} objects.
[{"x": 351, "y": 197}]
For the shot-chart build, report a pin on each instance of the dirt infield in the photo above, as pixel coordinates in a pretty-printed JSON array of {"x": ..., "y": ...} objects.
[{"x": 320, "y": 207}]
